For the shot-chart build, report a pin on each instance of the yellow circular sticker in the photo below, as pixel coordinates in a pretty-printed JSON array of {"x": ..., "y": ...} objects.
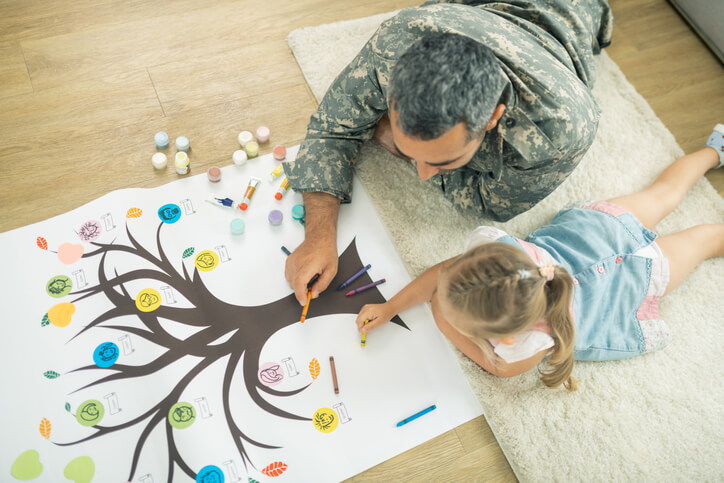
[
  {"x": 148, "y": 300},
  {"x": 60, "y": 314},
  {"x": 325, "y": 420},
  {"x": 207, "y": 260}
]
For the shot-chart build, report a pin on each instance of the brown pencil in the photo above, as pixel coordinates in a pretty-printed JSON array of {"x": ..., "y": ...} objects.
[{"x": 334, "y": 375}]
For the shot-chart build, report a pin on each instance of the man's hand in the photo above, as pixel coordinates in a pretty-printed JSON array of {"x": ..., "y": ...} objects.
[{"x": 318, "y": 253}]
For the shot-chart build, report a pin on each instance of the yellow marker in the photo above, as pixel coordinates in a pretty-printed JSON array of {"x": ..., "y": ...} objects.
[
  {"x": 364, "y": 334},
  {"x": 306, "y": 307}
]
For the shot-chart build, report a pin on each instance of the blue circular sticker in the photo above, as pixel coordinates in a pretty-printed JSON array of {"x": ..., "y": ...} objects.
[
  {"x": 169, "y": 213},
  {"x": 210, "y": 474},
  {"x": 106, "y": 354}
]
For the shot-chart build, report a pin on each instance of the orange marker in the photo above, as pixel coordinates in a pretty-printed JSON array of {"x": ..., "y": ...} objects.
[{"x": 306, "y": 306}]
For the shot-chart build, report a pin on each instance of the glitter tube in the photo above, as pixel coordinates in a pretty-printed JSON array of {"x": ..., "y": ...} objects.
[
  {"x": 250, "y": 188},
  {"x": 282, "y": 190}
]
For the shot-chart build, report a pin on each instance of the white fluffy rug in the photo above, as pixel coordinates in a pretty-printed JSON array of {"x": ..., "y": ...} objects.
[{"x": 655, "y": 417}]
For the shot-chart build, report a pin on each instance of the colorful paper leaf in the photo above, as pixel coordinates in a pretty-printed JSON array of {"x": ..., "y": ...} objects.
[
  {"x": 42, "y": 243},
  {"x": 188, "y": 252},
  {"x": 134, "y": 213},
  {"x": 252, "y": 480},
  {"x": 51, "y": 374},
  {"x": 45, "y": 321},
  {"x": 275, "y": 469},
  {"x": 67, "y": 407},
  {"x": 314, "y": 368},
  {"x": 45, "y": 428}
]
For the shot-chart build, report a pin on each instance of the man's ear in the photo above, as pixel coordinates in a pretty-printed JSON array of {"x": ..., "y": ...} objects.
[{"x": 497, "y": 114}]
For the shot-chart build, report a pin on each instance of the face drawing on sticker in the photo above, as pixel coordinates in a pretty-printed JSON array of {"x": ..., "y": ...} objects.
[
  {"x": 271, "y": 375},
  {"x": 148, "y": 299},
  {"x": 183, "y": 414},
  {"x": 323, "y": 421},
  {"x": 205, "y": 260},
  {"x": 58, "y": 286},
  {"x": 108, "y": 352},
  {"x": 169, "y": 213},
  {"x": 90, "y": 412},
  {"x": 89, "y": 231}
]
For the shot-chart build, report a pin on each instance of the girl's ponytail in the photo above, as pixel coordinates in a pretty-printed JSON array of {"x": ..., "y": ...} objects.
[{"x": 559, "y": 294}]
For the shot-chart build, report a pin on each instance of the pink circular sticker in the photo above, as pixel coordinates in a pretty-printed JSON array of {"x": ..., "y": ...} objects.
[{"x": 271, "y": 374}]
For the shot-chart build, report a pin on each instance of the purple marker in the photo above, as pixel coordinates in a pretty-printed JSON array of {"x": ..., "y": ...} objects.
[
  {"x": 354, "y": 277},
  {"x": 365, "y": 287}
]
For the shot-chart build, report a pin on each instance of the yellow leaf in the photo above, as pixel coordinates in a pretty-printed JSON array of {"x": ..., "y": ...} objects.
[
  {"x": 314, "y": 368},
  {"x": 45, "y": 428}
]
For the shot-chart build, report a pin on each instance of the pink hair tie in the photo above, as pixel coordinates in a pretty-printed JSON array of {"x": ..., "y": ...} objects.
[{"x": 547, "y": 271}]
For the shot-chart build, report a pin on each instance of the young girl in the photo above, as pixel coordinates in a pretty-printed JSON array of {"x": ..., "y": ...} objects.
[{"x": 584, "y": 287}]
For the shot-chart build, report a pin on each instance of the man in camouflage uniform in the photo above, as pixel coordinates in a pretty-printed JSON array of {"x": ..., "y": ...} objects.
[{"x": 541, "y": 115}]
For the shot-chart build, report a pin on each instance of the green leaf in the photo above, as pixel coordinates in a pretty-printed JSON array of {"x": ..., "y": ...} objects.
[
  {"x": 252, "y": 480},
  {"x": 188, "y": 252},
  {"x": 67, "y": 407},
  {"x": 51, "y": 374},
  {"x": 45, "y": 321}
]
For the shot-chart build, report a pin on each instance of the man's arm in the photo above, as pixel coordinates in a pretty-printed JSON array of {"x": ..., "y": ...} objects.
[
  {"x": 323, "y": 168},
  {"x": 318, "y": 252}
]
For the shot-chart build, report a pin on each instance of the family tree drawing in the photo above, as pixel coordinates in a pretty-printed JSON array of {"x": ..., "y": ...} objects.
[{"x": 243, "y": 330}]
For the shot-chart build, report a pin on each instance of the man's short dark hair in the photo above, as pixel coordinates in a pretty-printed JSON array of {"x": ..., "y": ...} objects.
[{"x": 444, "y": 79}]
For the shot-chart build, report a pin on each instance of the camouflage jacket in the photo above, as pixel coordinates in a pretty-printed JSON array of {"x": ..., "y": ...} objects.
[{"x": 545, "y": 49}]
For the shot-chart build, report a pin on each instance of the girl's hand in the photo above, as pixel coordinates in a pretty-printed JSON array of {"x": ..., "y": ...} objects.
[{"x": 377, "y": 314}]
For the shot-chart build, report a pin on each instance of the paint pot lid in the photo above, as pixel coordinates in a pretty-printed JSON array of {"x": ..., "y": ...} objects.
[
  {"x": 237, "y": 226},
  {"x": 239, "y": 157},
  {"x": 245, "y": 137},
  {"x": 280, "y": 152},
  {"x": 159, "y": 160},
  {"x": 182, "y": 142},
  {"x": 252, "y": 148},
  {"x": 262, "y": 132},
  {"x": 182, "y": 159},
  {"x": 214, "y": 174},
  {"x": 275, "y": 217},
  {"x": 161, "y": 139},
  {"x": 298, "y": 212}
]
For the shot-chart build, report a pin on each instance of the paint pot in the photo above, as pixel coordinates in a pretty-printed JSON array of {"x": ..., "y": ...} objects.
[
  {"x": 159, "y": 160},
  {"x": 183, "y": 165},
  {"x": 214, "y": 174},
  {"x": 262, "y": 134},
  {"x": 275, "y": 217},
  {"x": 183, "y": 143},
  {"x": 298, "y": 212},
  {"x": 237, "y": 226},
  {"x": 252, "y": 149},
  {"x": 161, "y": 140},
  {"x": 280, "y": 153},
  {"x": 245, "y": 137},
  {"x": 239, "y": 157}
]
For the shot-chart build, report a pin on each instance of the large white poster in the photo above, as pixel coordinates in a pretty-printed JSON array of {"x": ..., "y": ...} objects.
[{"x": 143, "y": 341}]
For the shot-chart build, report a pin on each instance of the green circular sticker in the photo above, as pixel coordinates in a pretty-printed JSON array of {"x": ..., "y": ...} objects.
[
  {"x": 181, "y": 415},
  {"x": 90, "y": 412},
  {"x": 59, "y": 286}
]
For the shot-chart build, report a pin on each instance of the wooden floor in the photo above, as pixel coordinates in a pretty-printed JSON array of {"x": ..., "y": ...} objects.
[{"x": 84, "y": 85}]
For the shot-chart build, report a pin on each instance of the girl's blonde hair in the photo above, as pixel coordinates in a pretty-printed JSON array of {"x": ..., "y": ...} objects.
[{"x": 502, "y": 290}]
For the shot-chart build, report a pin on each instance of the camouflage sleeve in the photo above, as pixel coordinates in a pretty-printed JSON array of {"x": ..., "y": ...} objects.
[
  {"x": 512, "y": 188},
  {"x": 346, "y": 117}
]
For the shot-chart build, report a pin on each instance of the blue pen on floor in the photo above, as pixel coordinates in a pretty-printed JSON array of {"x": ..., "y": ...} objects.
[{"x": 416, "y": 415}]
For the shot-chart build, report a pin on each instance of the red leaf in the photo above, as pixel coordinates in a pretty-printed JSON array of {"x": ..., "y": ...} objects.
[
  {"x": 275, "y": 469},
  {"x": 41, "y": 243}
]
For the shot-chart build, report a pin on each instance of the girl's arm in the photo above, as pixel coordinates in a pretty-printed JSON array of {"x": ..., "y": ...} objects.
[{"x": 416, "y": 292}]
